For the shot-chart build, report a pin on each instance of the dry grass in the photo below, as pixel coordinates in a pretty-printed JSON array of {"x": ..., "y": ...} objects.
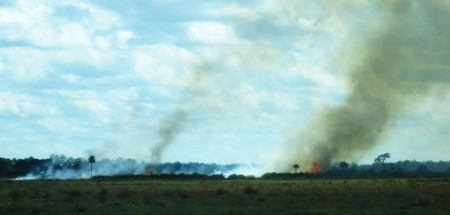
[{"x": 362, "y": 196}]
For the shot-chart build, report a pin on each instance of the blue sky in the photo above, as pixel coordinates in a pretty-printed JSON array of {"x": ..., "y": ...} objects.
[{"x": 99, "y": 76}]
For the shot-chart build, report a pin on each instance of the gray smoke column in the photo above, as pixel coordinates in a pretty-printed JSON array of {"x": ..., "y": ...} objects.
[
  {"x": 206, "y": 79},
  {"x": 169, "y": 129},
  {"x": 408, "y": 58}
]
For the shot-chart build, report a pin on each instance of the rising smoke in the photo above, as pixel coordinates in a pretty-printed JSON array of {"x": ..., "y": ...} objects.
[
  {"x": 169, "y": 128},
  {"x": 401, "y": 60},
  {"x": 405, "y": 60},
  {"x": 204, "y": 78}
]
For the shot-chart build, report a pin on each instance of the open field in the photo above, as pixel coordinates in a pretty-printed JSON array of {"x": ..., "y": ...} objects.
[{"x": 305, "y": 196}]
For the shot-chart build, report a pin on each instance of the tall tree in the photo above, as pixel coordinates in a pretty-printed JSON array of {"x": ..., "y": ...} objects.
[
  {"x": 343, "y": 165},
  {"x": 91, "y": 160},
  {"x": 295, "y": 166},
  {"x": 381, "y": 159}
]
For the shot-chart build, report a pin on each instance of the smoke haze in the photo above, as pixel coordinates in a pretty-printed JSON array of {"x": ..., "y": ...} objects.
[
  {"x": 405, "y": 60},
  {"x": 394, "y": 61},
  {"x": 62, "y": 167}
]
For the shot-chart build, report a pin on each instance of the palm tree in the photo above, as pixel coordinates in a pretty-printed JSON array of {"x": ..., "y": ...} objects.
[
  {"x": 343, "y": 165},
  {"x": 295, "y": 166},
  {"x": 91, "y": 160}
]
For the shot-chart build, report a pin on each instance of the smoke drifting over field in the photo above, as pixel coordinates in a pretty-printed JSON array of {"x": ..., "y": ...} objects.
[
  {"x": 62, "y": 167},
  {"x": 406, "y": 59},
  {"x": 204, "y": 80},
  {"x": 395, "y": 62}
]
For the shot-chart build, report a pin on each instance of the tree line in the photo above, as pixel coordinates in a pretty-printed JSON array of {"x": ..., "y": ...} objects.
[
  {"x": 381, "y": 167},
  {"x": 63, "y": 167},
  {"x": 13, "y": 168}
]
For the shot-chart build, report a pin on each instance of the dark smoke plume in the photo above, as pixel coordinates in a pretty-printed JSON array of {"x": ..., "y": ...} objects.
[
  {"x": 172, "y": 125},
  {"x": 203, "y": 78},
  {"x": 407, "y": 59},
  {"x": 169, "y": 128}
]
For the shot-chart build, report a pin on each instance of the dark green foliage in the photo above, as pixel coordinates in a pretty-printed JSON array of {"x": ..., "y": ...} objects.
[
  {"x": 250, "y": 190},
  {"x": 6, "y": 167},
  {"x": 236, "y": 177},
  {"x": 14, "y": 194},
  {"x": 296, "y": 167},
  {"x": 12, "y": 168},
  {"x": 75, "y": 193},
  {"x": 381, "y": 160},
  {"x": 343, "y": 165},
  {"x": 91, "y": 160},
  {"x": 59, "y": 162},
  {"x": 221, "y": 191},
  {"x": 102, "y": 195}
]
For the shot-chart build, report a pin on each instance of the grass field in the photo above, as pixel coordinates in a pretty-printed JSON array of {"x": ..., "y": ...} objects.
[{"x": 317, "y": 196}]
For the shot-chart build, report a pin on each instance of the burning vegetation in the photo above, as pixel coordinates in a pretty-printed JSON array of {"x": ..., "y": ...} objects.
[
  {"x": 316, "y": 168},
  {"x": 62, "y": 167},
  {"x": 404, "y": 60}
]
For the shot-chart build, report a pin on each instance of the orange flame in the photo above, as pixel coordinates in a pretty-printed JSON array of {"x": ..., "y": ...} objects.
[{"x": 316, "y": 168}]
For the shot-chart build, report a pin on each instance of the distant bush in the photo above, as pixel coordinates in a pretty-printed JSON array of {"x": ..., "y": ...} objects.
[
  {"x": 250, "y": 190},
  {"x": 221, "y": 191},
  {"x": 274, "y": 175},
  {"x": 162, "y": 176},
  {"x": 75, "y": 193},
  {"x": 235, "y": 177},
  {"x": 240, "y": 177}
]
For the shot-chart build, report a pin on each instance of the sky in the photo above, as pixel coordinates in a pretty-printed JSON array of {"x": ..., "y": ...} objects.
[{"x": 102, "y": 77}]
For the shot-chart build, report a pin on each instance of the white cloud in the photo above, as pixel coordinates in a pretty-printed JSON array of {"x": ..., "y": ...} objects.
[
  {"x": 95, "y": 102},
  {"x": 101, "y": 19},
  {"x": 94, "y": 106},
  {"x": 162, "y": 63},
  {"x": 70, "y": 78},
  {"x": 71, "y": 94},
  {"x": 25, "y": 63},
  {"x": 247, "y": 96},
  {"x": 151, "y": 68},
  {"x": 61, "y": 125},
  {"x": 24, "y": 105},
  {"x": 306, "y": 23},
  {"x": 246, "y": 13},
  {"x": 46, "y": 150},
  {"x": 36, "y": 22},
  {"x": 123, "y": 36},
  {"x": 210, "y": 32},
  {"x": 47, "y": 38},
  {"x": 122, "y": 94}
]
